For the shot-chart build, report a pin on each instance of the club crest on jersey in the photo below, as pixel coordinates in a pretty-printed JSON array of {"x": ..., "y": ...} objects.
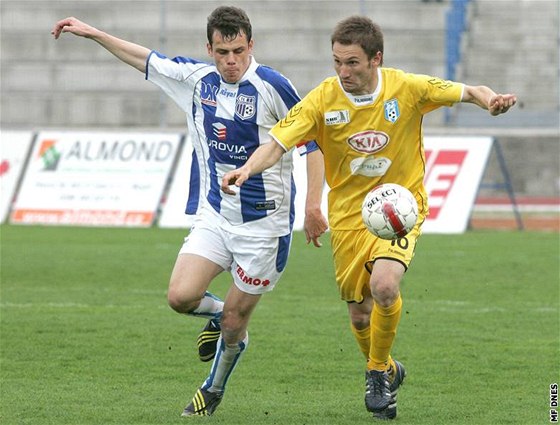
[
  {"x": 391, "y": 108},
  {"x": 245, "y": 106}
]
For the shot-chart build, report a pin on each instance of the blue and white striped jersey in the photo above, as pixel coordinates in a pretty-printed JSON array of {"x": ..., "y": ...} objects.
[{"x": 226, "y": 123}]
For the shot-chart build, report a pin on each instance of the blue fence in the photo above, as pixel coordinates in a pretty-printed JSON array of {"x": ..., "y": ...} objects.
[{"x": 455, "y": 25}]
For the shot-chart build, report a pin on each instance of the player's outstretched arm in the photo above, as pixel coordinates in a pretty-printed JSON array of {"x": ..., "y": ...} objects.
[
  {"x": 264, "y": 157},
  {"x": 487, "y": 99},
  {"x": 315, "y": 223},
  {"x": 130, "y": 53}
]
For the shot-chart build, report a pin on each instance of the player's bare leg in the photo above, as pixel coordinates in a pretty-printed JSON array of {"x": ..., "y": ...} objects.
[
  {"x": 188, "y": 294},
  {"x": 238, "y": 307}
]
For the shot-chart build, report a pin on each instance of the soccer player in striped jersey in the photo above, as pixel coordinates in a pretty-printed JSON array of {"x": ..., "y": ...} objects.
[
  {"x": 367, "y": 122},
  {"x": 230, "y": 106}
]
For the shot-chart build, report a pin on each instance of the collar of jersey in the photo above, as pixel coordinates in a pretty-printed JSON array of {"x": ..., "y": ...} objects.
[{"x": 362, "y": 100}]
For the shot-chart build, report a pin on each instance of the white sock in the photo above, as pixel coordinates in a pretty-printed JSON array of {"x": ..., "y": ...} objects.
[
  {"x": 210, "y": 307},
  {"x": 225, "y": 361}
]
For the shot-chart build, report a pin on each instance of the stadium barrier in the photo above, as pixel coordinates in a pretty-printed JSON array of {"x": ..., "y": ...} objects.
[{"x": 139, "y": 179}]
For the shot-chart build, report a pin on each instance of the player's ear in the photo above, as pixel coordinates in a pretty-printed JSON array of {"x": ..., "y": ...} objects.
[
  {"x": 377, "y": 60},
  {"x": 209, "y": 48}
]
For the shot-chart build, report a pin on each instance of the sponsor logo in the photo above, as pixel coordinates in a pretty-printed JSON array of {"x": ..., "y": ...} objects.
[
  {"x": 219, "y": 130},
  {"x": 369, "y": 166},
  {"x": 265, "y": 205},
  {"x": 235, "y": 151},
  {"x": 291, "y": 117},
  {"x": 227, "y": 93},
  {"x": 245, "y": 106},
  {"x": 49, "y": 154},
  {"x": 255, "y": 281},
  {"x": 208, "y": 93},
  {"x": 391, "y": 108},
  {"x": 369, "y": 141},
  {"x": 103, "y": 151},
  {"x": 442, "y": 169},
  {"x": 440, "y": 84},
  {"x": 361, "y": 100},
  {"x": 337, "y": 117}
]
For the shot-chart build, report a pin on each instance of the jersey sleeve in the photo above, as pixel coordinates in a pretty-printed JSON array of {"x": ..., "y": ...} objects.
[
  {"x": 435, "y": 92},
  {"x": 174, "y": 76},
  {"x": 286, "y": 98},
  {"x": 300, "y": 125}
]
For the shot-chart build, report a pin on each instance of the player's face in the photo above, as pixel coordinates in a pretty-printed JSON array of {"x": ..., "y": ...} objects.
[
  {"x": 357, "y": 73},
  {"x": 232, "y": 56}
]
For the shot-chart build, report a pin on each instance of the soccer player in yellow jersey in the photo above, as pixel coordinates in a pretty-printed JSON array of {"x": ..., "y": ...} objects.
[{"x": 368, "y": 123}]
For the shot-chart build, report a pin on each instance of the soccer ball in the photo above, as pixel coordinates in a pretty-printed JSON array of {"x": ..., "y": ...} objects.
[{"x": 389, "y": 211}]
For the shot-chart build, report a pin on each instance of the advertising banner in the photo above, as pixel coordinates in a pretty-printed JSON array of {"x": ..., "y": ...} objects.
[
  {"x": 14, "y": 147},
  {"x": 454, "y": 169},
  {"x": 95, "y": 178},
  {"x": 173, "y": 209}
]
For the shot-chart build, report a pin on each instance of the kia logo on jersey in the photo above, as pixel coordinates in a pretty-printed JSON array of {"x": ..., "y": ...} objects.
[{"x": 369, "y": 141}]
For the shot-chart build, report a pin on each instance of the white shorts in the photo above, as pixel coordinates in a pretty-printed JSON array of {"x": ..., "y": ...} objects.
[{"x": 255, "y": 263}]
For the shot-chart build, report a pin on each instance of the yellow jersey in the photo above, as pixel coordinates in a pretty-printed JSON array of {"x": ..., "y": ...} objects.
[{"x": 368, "y": 140}]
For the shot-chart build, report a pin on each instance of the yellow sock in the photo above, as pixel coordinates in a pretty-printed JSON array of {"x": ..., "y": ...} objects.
[
  {"x": 384, "y": 323},
  {"x": 363, "y": 338}
]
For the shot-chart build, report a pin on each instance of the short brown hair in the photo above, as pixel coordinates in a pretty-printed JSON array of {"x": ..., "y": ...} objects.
[
  {"x": 229, "y": 21},
  {"x": 359, "y": 30}
]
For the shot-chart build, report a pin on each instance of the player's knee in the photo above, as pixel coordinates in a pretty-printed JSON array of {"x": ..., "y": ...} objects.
[
  {"x": 385, "y": 292},
  {"x": 233, "y": 325},
  {"x": 179, "y": 302}
]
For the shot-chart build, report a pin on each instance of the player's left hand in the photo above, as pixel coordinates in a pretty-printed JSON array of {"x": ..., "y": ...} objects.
[
  {"x": 314, "y": 225},
  {"x": 236, "y": 177},
  {"x": 500, "y": 103}
]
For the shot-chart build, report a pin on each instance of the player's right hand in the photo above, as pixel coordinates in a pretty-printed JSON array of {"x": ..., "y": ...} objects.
[
  {"x": 236, "y": 177},
  {"x": 73, "y": 25},
  {"x": 314, "y": 225}
]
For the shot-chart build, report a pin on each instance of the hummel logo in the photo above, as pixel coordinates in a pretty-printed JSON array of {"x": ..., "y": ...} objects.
[{"x": 291, "y": 117}]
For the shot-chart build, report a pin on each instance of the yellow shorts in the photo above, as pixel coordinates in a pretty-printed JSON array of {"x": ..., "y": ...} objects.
[{"x": 354, "y": 252}]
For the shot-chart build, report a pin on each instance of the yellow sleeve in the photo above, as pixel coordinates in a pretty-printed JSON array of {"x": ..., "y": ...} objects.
[
  {"x": 300, "y": 124},
  {"x": 436, "y": 92}
]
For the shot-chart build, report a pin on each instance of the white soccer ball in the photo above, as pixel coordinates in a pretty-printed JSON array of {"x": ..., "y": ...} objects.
[{"x": 389, "y": 211}]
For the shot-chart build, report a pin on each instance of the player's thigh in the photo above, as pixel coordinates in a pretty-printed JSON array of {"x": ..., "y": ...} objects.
[
  {"x": 191, "y": 276},
  {"x": 201, "y": 258},
  {"x": 356, "y": 251},
  {"x": 351, "y": 251}
]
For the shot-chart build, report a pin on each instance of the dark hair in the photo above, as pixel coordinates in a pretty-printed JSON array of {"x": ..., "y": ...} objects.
[
  {"x": 229, "y": 21},
  {"x": 361, "y": 31}
]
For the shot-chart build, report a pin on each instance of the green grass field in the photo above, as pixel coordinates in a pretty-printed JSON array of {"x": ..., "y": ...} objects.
[{"x": 87, "y": 337}]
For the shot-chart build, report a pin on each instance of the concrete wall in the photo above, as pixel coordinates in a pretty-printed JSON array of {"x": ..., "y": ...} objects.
[
  {"x": 511, "y": 45},
  {"x": 74, "y": 82}
]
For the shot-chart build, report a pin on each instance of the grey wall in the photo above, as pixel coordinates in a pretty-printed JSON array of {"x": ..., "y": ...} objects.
[{"x": 511, "y": 45}]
